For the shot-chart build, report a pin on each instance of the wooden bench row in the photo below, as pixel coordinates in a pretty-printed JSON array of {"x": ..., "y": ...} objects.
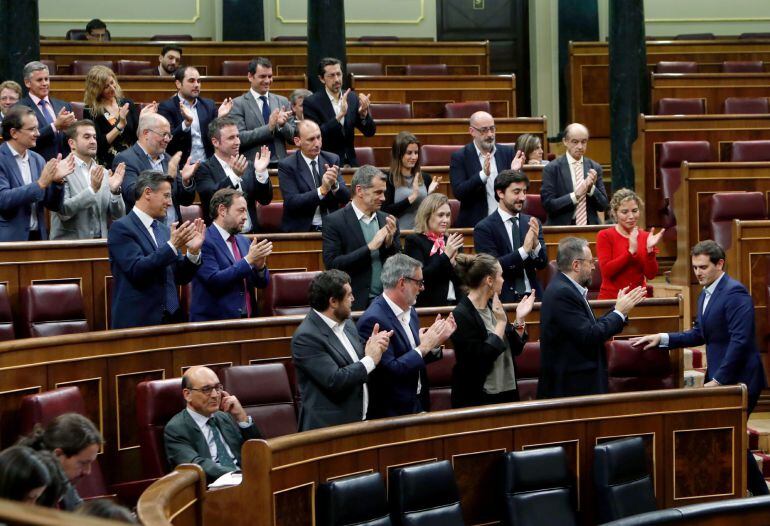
[{"x": 712, "y": 88}]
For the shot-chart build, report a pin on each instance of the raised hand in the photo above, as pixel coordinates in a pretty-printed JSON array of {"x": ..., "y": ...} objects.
[
  {"x": 525, "y": 307},
  {"x": 97, "y": 176},
  {"x": 498, "y": 311},
  {"x": 454, "y": 243},
  {"x": 633, "y": 240},
  {"x": 46, "y": 175},
  {"x": 238, "y": 163},
  {"x": 230, "y": 404},
  {"x": 343, "y": 105},
  {"x": 149, "y": 108},
  {"x": 646, "y": 342},
  {"x": 487, "y": 166},
  {"x": 433, "y": 184},
  {"x": 116, "y": 177},
  {"x": 173, "y": 164},
  {"x": 186, "y": 114},
  {"x": 329, "y": 178},
  {"x": 273, "y": 121},
  {"x": 188, "y": 171},
  {"x": 181, "y": 234},
  {"x": 283, "y": 116},
  {"x": 198, "y": 234},
  {"x": 65, "y": 167},
  {"x": 123, "y": 113},
  {"x": 591, "y": 179},
  {"x": 654, "y": 238},
  {"x": 415, "y": 188},
  {"x": 225, "y": 107},
  {"x": 530, "y": 238},
  {"x": 258, "y": 252},
  {"x": 377, "y": 343},
  {"x": 262, "y": 159},
  {"x": 390, "y": 228},
  {"x": 64, "y": 119},
  {"x": 628, "y": 299},
  {"x": 518, "y": 160},
  {"x": 363, "y": 104}
]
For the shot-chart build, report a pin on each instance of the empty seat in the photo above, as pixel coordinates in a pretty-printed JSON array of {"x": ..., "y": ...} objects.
[
  {"x": 172, "y": 38},
  {"x": 437, "y": 154},
  {"x": 50, "y": 64},
  {"x": 82, "y": 67},
  {"x": 75, "y": 34},
  {"x": 537, "y": 488},
  {"x": 463, "y": 110},
  {"x": 51, "y": 309},
  {"x": 533, "y": 206},
  {"x": 454, "y": 209},
  {"x": 672, "y": 106},
  {"x": 752, "y": 105},
  {"x": 427, "y": 69},
  {"x": 750, "y": 151},
  {"x": 156, "y": 402},
  {"x": 440, "y": 377},
  {"x": 358, "y": 500},
  {"x": 365, "y": 155},
  {"x": 390, "y": 110},
  {"x": 286, "y": 293},
  {"x": 365, "y": 68},
  {"x": 77, "y": 108},
  {"x": 633, "y": 369},
  {"x": 191, "y": 212},
  {"x": 425, "y": 494},
  {"x": 743, "y": 66},
  {"x": 528, "y": 370},
  {"x": 133, "y": 67},
  {"x": 6, "y": 315},
  {"x": 269, "y": 216},
  {"x": 623, "y": 483},
  {"x": 734, "y": 205},
  {"x": 672, "y": 153},
  {"x": 233, "y": 68},
  {"x": 265, "y": 394},
  {"x": 676, "y": 67},
  {"x": 695, "y": 36}
]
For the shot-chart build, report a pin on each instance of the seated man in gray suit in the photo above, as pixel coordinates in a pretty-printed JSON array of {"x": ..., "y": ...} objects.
[
  {"x": 263, "y": 116},
  {"x": 206, "y": 432},
  {"x": 331, "y": 360}
]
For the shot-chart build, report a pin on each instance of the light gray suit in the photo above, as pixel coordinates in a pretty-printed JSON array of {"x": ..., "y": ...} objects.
[
  {"x": 84, "y": 214},
  {"x": 253, "y": 129}
]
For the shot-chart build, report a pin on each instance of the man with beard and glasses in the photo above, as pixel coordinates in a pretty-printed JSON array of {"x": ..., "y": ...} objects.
[
  {"x": 572, "y": 355},
  {"x": 474, "y": 168},
  {"x": 331, "y": 360},
  {"x": 232, "y": 267},
  {"x": 168, "y": 61}
]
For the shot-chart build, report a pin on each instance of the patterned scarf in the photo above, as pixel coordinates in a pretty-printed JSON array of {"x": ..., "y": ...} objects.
[{"x": 438, "y": 242}]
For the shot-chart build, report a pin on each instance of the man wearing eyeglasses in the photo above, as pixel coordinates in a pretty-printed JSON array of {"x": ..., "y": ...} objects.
[
  {"x": 211, "y": 429},
  {"x": 474, "y": 168},
  {"x": 149, "y": 153}
]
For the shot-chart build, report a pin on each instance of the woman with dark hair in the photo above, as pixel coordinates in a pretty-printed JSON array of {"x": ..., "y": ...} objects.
[
  {"x": 59, "y": 484},
  {"x": 406, "y": 185},
  {"x": 532, "y": 146},
  {"x": 106, "y": 509},
  {"x": 485, "y": 342},
  {"x": 23, "y": 477}
]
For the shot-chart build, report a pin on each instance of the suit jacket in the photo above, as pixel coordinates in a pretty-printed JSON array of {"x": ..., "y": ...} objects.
[
  {"x": 218, "y": 286},
  {"x": 558, "y": 185},
  {"x": 467, "y": 186},
  {"x": 393, "y": 384},
  {"x": 573, "y": 360},
  {"x": 338, "y": 137},
  {"x": 16, "y": 197},
  {"x": 437, "y": 271},
  {"x": 300, "y": 194},
  {"x": 727, "y": 329},
  {"x": 491, "y": 237},
  {"x": 140, "y": 271},
  {"x": 330, "y": 383},
  {"x": 83, "y": 213},
  {"x": 211, "y": 177},
  {"x": 136, "y": 162},
  {"x": 345, "y": 248},
  {"x": 184, "y": 442},
  {"x": 253, "y": 130},
  {"x": 476, "y": 350},
  {"x": 50, "y": 143},
  {"x": 182, "y": 140}
]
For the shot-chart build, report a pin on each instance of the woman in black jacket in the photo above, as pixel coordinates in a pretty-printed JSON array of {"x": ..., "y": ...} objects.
[{"x": 485, "y": 342}]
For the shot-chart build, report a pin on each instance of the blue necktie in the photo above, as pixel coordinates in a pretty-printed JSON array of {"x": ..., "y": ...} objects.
[
  {"x": 44, "y": 110},
  {"x": 266, "y": 118},
  {"x": 172, "y": 296}
]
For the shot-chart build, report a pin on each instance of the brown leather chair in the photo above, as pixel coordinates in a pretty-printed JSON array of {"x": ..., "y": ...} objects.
[
  {"x": 533, "y": 206},
  {"x": 365, "y": 68},
  {"x": 676, "y": 67},
  {"x": 365, "y": 155},
  {"x": 269, "y": 217},
  {"x": 440, "y": 377},
  {"x": 463, "y": 110},
  {"x": 133, "y": 67},
  {"x": 743, "y": 66},
  {"x": 6, "y": 315},
  {"x": 286, "y": 293},
  {"x": 51, "y": 309},
  {"x": 633, "y": 369},
  {"x": 672, "y": 106},
  {"x": 454, "y": 208},
  {"x": 77, "y": 109},
  {"x": 750, "y": 151},
  {"x": 390, "y": 110},
  {"x": 437, "y": 154},
  {"x": 734, "y": 205},
  {"x": 753, "y": 105},
  {"x": 156, "y": 402},
  {"x": 191, "y": 212},
  {"x": 265, "y": 394},
  {"x": 82, "y": 67},
  {"x": 427, "y": 69},
  {"x": 50, "y": 64},
  {"x": 672, "y": 153},
  {"x": 528, "y": 370},
  {"x": 235, "y": 68},
  {"x": 75, "y": 34},
  {"x": 171, "y": 38}
]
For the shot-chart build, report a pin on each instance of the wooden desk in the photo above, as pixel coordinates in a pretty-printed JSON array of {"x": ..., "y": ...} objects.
[{"x": 714, "y": 88}]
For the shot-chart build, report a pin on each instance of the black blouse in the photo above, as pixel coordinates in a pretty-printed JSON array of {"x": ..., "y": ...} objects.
[{"x": 106, "y": 152}]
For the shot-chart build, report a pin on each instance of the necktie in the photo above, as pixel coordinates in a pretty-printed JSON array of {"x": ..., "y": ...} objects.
[
  {"x": 581, "y": 210},
  {"x": 518, "y": 281},
  {"x": 44, "y": 110},
  {"x": 237, "y": 257},
  {"x": 172, "y": 297},
  {"x": 266, "y": 119},
  {"x": 316, "y": 175},
  {"x": 223, "y": 457}
]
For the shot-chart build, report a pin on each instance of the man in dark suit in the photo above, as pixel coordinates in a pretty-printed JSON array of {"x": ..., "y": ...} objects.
[
  {"x": 211, "y": 429},
  {"x": 337, "y": 113},
  {"x": 54, "y": 116},
  {"x": 311, "y": 182},
  {"x": 725, "y": 324},
  {"x": 189, "y": 116},
  {"x": 27, "y": 183},
  {"x": 514, "y": 238},
  {"x": 360, "y": 238},
  {"x": 573, "y": 191},
  {"x": 399, "y": 384},
  {"x": 232, "y": 267},
  {"x": 474, "y": 167},
  {"x": 572, "y": 355},
  {"x": 149, "y": 153},
  {"x": 331, "y": 360},
  {"x": 147, "y": 257},
  {"x": 228, "y": 169}
]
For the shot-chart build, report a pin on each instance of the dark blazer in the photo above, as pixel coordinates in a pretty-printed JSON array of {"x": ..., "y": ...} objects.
[
  {"x": 140, "y": 271},
  {"x": 210, "y": 177},
  {"x": 573, "y": 359},
  {"x": 390, "y": 206},
  {"x": 16, "y": 197},
  {"x": 330, "y": 383},
  {"x": 338, "y": 138},
  {"x": 437, "y": 271},
  {"x": 50, "y": 143},
  {"x": 185, "y": 444},
  {"x": 218, "y": 286},
  {"x": 557, "y": 185},
  {"x": 300, "y": 194},
  {"x": 476, "y": 350},
  {"x": 106, "y": 152},
  {"x": 491, "y": 237},
  {"x": 467, "y": 186},
  {"x": 345, "y": 248},
  {"x": 182, "y": 140},
  {"x": 136, "y": 161},
  {"x": 393, "y": 384}
]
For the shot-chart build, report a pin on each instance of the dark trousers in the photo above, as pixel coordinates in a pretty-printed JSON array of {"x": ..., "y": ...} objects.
[
  {"x": 177, "y": 317},
  {"x": 499, "y": 398}
]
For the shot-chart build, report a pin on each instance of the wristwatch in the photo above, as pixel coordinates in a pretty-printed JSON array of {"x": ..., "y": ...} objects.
[{"x": 517, "y": 325}]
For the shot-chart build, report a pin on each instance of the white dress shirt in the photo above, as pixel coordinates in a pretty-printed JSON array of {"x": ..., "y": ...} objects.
[
  {"x": 147, "y": 222},
  {"x": 197, "y": 151},
  {"x": 709, "y": 291},
  {"x": 488, "y": 180},
  {"x": 506, "y": 217},
  {"x": 317, "y": 221},
  {"x": 26, "y": 175}
]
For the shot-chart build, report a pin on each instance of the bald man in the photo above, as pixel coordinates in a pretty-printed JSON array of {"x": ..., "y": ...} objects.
[{"x": 211, "y": 429}]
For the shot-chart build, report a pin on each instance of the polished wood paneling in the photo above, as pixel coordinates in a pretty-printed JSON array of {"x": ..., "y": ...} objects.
[
  {"x": 704, "y": 463},
  {"x": 714, "y": 88}
]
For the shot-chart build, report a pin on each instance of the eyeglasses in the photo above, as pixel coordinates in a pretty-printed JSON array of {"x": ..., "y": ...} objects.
[
  {"x": 206, "y": 390},
  {"x": 591, "y": 261},
  {"x": 485, "y": 130},
  {"x": 420, "y": 282},
  {"x": 33, "y": 129},
  {"x": 165, "y": 135}
]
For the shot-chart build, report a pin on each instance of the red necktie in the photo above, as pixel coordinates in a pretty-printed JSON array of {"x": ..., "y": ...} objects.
[{"x": 237, "y": 257}]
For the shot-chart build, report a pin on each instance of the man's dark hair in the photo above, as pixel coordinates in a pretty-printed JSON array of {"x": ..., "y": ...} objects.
[
  {"x": 70, "y": 432},
  {"x": 327, "y": 61},
  {"x": 170, "y": 47},
  {"x": 151, "y": 179},
  {"x": 72, "y": 131},
  {"x": 224, "y": 196},
  {"x": 181, "y": 71},
  {"x": 95, "y": 24},
  {"x": 215, "y": 126},
  {"x": 14, "y": 119},
  {"x": 259, "y": 61},
  {"x": 328, "y": 285},
  {"x": 709, "y": 248},
  {"x": 507, "y": 177},
  {"x": 106, "y": 509}
]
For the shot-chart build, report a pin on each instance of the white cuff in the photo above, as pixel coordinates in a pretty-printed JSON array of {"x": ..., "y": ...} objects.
[
  {"x": 663, "y": 339},
  {"x": 262, "y": 177},
  {"x": 368, "y": 363}
]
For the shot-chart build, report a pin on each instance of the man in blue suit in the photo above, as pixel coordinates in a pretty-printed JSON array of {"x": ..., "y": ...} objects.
[
  {"x": 725, "y": 323},
  {"x": 514, "y": 238},
  {"x": 27, "y": 183},
  {"x": 399, "y": 384},
  {"x": 148, "y": 259},
  {"x": 231, "y": 265},
  {"x": 474, "y": 168}
]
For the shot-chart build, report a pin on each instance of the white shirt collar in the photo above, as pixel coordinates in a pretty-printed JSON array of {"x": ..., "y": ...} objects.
[
  {"x": 360, "y": 214},
  {"x": 711, "y": 288},
  {"x": 505, "y": 216},
  {"x": 333, "y": 324},
  {"x": 572, "y": 160},
  {"x": 37, "y": 100},
  {"x": 159, "y": 159},
  {"x": 398, "y": 311},
  {"x": 257, "y": 95},
  {"x": 581, "y": 289},
  {"x": 145, "y": 218},
  {"x": 186, "y": 102},
  {"x": 335, "y": 100},
  {"x": 197, "y": 417},
  {"x": 17, "y": 154},
  {"x": 308, "y": 160},
  {"x": 479, "y": 153},
  {"x": 82, "y": 164},
  {"x": 222, "y": 232}
]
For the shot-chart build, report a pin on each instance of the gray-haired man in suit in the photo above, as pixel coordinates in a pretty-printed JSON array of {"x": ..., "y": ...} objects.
[{"x": 263, "y": 116}]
